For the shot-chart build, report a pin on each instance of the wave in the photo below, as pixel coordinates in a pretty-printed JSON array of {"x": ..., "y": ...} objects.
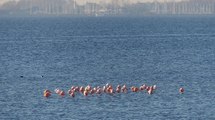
[{"x": 74, "y": 38}]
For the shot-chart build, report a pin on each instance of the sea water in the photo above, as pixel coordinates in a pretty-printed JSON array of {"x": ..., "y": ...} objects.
[{"x": 49, "y": 52}]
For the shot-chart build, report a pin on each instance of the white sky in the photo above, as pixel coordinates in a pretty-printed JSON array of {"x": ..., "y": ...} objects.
[
  {"x": 3, "y": 1},
  {"x": 108, "y": 1},
  {"x": 97, "y": 1}
]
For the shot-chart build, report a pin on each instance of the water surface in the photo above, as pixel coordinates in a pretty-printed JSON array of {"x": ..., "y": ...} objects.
[{"x": 49, "y": 53}]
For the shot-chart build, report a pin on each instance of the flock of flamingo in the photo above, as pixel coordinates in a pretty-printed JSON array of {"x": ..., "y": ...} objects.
[{"x": 108, "y": 89}]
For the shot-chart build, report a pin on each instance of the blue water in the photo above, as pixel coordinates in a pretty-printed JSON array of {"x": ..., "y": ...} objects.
[{"x": 49, "y": 53}]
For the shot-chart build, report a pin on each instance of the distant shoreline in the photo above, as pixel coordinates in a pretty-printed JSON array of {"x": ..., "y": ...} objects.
[{"x": 109, "y": 16}]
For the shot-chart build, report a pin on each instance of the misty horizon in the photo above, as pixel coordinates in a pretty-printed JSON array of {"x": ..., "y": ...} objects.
[
  {"x": 107, "y": 7},
  {"x": 81, "y": 2}
]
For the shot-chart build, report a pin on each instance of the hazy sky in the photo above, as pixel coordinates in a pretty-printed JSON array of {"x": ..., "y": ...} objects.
[
  {"x": 108, "y": 1},
  {"x": 97, "y": 1},
  {"x": 3, "y": 1}
]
